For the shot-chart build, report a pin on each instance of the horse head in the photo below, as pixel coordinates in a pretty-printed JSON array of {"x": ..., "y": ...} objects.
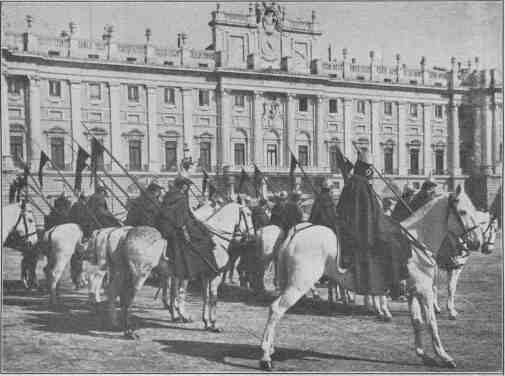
[
  {"x": 463, "y": 220},
  {"x": 23, "y": 233}
]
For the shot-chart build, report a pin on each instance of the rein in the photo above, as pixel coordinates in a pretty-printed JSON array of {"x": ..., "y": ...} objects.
[{"x": 22, "y": 216}]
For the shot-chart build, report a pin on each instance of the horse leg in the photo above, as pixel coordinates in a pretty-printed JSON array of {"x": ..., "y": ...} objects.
[
  {"x": 206, "y": 305},
  {"x": 165, "y": 281},
  {"x": 369, "y": 303},
  {"x": 53, "y": 275},
  {"x": 213, "y": 285},
  {"x": 431, "y": 320},
  {"x": 385, "y": 309},
  {"x": 332, "y": 286},
  {"x": 126, "y": 299},
  {"x": 278, "y": 308},
  {"x": 180, "y": 301},
  {"x": 113, "y": 289},
  {"x": 174, "y": 283},
  {"x": 436, "y": 306},
  {"x": 416, "y": 317},
  {"x": 378, "y": 308},
  {"x": 453, "y": 277}
]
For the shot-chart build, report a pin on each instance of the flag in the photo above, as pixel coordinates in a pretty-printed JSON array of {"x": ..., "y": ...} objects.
[
  {"x": 204, "y": 182},
  {"x": 212, "y": 190},
  {"x": 243, "y": 178},
  {"x": 43, "y": 160},
  {"x": 257, "y": 180},
  {"x": 292, "y": 167},
  {"x": 82, "y": 156},
  {"x": 96, "y": 152},
  {"x": 343, "y": 163}
]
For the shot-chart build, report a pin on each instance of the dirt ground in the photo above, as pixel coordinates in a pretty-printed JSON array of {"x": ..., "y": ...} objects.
[{"x": 311, "y": 337}]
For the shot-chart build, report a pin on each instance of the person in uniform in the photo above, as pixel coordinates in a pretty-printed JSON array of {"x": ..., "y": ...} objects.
[
  {"x": 259, "y": 215},
  {"x": 145, "y": 209},
  {"x": 191, "y": 242},
  {"x": 79, "y": 214},
  {"x": 425, "y": 195},
  {"x": 324, "y": 212},
  {"x": 276, "y": 217},
  {"x": 401, "y": 212},
  {"x": 292, "y": 212},
  {"x": 59, "y": 212},
  {"x": 97, "y": 206}
]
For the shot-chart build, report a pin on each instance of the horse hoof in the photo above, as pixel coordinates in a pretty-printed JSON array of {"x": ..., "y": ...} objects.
[
  {"x": 429, "y": 361},
  {"x": 186, "y": 320},
  {"x": 266, "y": 365},
  {"x": 452, "y": 317},
  {"x": 449, "y": 363},
  {"x": 388, "y": 318},
  {"x": 214, "y": 329},
  {"x": 130, "y": 334}
]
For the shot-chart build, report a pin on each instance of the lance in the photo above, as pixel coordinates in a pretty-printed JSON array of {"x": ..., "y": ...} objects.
[
  {"x": 134, "y": 180},
  {"x": 304, "y": 174},
  {"x": 30, "y": 200},
  {"x": 388, "y": 184},
  {"x": 214, "y": 185}
]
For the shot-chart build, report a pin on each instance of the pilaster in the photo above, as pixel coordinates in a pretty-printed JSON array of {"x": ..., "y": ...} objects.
[
  {"x": 77, "y": 128},
  {"x": 319, "y": 154},
  {"x": 258, "y": 128},
  {"x": 290, "y": 128},
  {"x": 33, "y": 154},
  {"x": 487, "y": 131},
  {"x": 375, "y": 133},
  {"x": 115, "y": 122},
  {"x": 6, "y": 146},
  {"x": 153, "y": 149},
  {"x": 187, "y": 115},
  {"x": 427, "y": 151},
  {"x": 454, "y": 139},
  {"x": 348, "y": 148},
  {"x": 226, "y": 122},
  {"x": 402, "y": 147}
]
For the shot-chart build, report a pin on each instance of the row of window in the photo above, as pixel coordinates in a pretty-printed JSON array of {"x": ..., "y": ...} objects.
[{"x": 95, "y": 93}]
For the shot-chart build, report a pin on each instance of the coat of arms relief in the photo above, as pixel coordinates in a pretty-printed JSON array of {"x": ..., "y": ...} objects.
[{"x": 272, "y": 113}]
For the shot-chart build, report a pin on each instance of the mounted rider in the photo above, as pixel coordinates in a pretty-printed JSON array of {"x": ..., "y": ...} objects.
[
  {"x": 97, "y": 206},
  {"x": 259, "y": 215},
  {"x": 401, "y": 212},
  {"x": 190, "y": 242},
  {"x": 59, "y": 212},
  {"x": 425, "y": 195},
  {"x": 277, "y": 215},
  {"x": 145, "y": 208},
  {"x": 292, "y": 213},
  {"x": 324, "y": 212},
  {"x": 78, "y": 214}
]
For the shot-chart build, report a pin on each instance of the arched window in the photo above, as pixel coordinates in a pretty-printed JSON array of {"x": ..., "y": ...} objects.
[
  {"x": 135, "y": 155},
  {"x": 58, "y": 152},
  {"x": 439, "y": 161},
  {"x": 239, "y": 140},
  {"x": 272, "y": 149},
  {"x": 303, "y": 146}
]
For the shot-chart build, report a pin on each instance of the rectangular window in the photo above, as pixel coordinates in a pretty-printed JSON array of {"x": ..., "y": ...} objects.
[
  {"x": 388, "y": 108},
  {"x": 58, "y": 152},
  {"x": 240, "y": 101},
  {"x": 272, "y": 155},
  {"x": 135, "y": 155},
  {"x": 54, "y": 88},
  {"x": 239, "y": 154},
  {"x": 205, "y": 157},
  {"x": 203, "y": 98},
  {"x": 439, "y": 162},
  {"x": 388, "y": 161},
  {"x": 414, "y": 162},
  {"x": 14, "y": 86},
  {"x": 95, "y": 92},
  {"x": 360, "y": 107},
  {"x": 99, "y": 158},
  {"x": 171, "y": 156},
  {"x": 303, "y": 104},
  {"x": 133, "y": 93},
  {"x": 170, "y": 95},
  {"x": 334, "y": 168},
  {"x": 333, "y": 108},
  {"x": 413, "y": 109},
  {"x": 439, "y": 111},
  {"x": 16, "y": 147},
  {"x": 303, "y": 155}
]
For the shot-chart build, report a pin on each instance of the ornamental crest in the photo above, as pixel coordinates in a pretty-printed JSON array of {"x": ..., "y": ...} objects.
[
  {"x": 271, "y": 18},
  {"x": 272, "y": 113}
]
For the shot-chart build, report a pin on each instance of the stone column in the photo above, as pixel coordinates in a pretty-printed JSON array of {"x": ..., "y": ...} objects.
[
  {"x": 153, "y": 149},
  {"x": 487, "y": 131},
  {"x": 33, "y": 152},
  {"x": 77, "y": 127},
  {"x": 402, "y": 148},
  {"x": 375, "y": 133},
  {"x": 319, "y": 159},
  {"x": 477, "y": 139},
  {"x": 115, "y": 123},
  {"x": 454, "y": 168},
  {"x": 348, "y": 148},
  {"x": 6, "y": 145},
  {"x": 226, "y": 124},
  {"x": 427, "y": 150},
  {"x": 187, "y": 115},
  {"x": 496, "y": 139},
  {"x": 258, "y": 128},
  {"x": 290, "y": 129}
]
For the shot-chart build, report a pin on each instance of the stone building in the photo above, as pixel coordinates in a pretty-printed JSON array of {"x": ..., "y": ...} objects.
[{"x": 254, "y": 95}]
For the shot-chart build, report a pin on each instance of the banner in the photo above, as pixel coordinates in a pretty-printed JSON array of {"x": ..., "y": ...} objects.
[
  {"x": 43, "y": 160},
  {"x": 82, "y": 156},
  {"x": 292, "y": 167},
  {"x": 243, "y": 178},
  {"x": 96, "y": 152}
]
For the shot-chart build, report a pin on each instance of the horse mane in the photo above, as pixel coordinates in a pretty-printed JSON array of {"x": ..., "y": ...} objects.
[{"x": 424, "y": 210}]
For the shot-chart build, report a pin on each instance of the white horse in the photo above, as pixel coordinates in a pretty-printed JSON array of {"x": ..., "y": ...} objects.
[
  {"x": 142, "y": 248},
  {"x": 453, "y": 263},
  {"x": 19, "y": 232},
  {"x": 309, "y": 254}
]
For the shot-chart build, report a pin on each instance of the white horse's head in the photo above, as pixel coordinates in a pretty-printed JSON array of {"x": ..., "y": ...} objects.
[
  {"x": 232, "y": 219},
  {"x": 463, "y": 220},
  {"x": 19, "y": 226}
]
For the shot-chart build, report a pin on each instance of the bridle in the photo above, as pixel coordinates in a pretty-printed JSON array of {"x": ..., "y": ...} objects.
[
  {"x": 21, "y": 217},
  {"x": 460, "y": 241}
]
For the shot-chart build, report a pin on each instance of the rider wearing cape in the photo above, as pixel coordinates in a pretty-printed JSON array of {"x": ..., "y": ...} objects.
[
  {"x": 97, "y": 206},
  {"x": 58, "y": 214},
  {"x": 292, "y": 213},
  {"x": 379, "y": 248},
  {"x": 277, "y": 215},
  {"x": 401, "y": 212},
  {"x": 323, "y": 211},
  {"x": 190, "y": 244},
  {"x": 259, "y": 215},
  {"x": 425, "y": 195},
  {"x": 145, "y": 208}
]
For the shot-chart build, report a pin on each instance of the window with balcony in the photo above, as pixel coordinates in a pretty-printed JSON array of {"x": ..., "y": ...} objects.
[
  {"x": 58, "y": 152},
  {"x": 439, "y": 162},
  {"x": 413, "y": 110},
  {"x": 14, "y": 86},
  {"x": 239, "y": 101},
  {"x": 272, "y": 155},
  {"x": 360, "y": 107},
  {"x": 133, "y": 93},
  {"x": 239, "y": 154},
  {"x": 333, "y": 106},
  {"x": 169, "y": 95},
  {"x": 135, "y": 153},
  {"x": 95, "y": 92},
  {"x": 205, "y": 156},
  {"x": 203, "y": 98},
  {"x": 334, "y": 167},
  {"x": 303, "y": 155},
  {"x": 388, "y": 161},
  {"x": 171, "y": 156},
  {"x": 388, "y": 108},
  {"x": 439, "y": 111},
  {"x": 414, "y": 161},
  {"x": 303, "y": 104},
  {"x": 54, "y": 88},
  {"x": 16, "y": 143}
]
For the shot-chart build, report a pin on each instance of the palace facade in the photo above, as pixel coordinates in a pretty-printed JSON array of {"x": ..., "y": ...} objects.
[{"x": 254, "y": 95}]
